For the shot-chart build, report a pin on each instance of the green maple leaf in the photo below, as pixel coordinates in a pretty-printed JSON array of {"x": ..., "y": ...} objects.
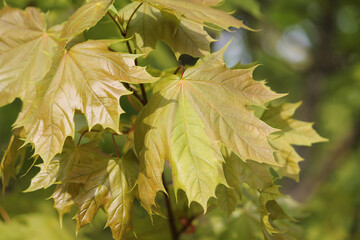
[
  {"x": 110, "y": 185},
  {"x": 196, "y": 12},
  {"x": 186, "y": 119},
  {"x": 254, "y": 174},
  {"x": 89, "y": 178},
  {"x": 86, "y": 77},
  {"x": 183, "y": 37},
  {"x": 207, "y": 2},
  {"x": 14, "y": 154},
  {"x": 84, "y": 18},
  {"x": 63, "y": 196},
  {"x": 26, "y": 45},
  {"x": 293, "y": 132},
  {"x": 228, "y": 197}
]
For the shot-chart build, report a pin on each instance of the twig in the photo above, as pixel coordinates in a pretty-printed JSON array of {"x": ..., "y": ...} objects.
[
  {"x": 116, "y": 148},
  {"x": 82, "y": 134},
  {"x": 4, "y": 215},
  {"x": 117, "y": 24},
  {"x": 143, "y": 93},
  {"x": 130, "y": 18},
  {"x": 174, "y": 233}
]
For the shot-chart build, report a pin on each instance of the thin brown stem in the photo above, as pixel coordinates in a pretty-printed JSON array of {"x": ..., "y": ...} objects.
[
  {"x": 83, "y": 133},
  {"x": 174, "y": 233},
  {"x": 117, "y": 24},
  {"x": 144, "y": 99},
  {"x": 182, "y": 69},
  {"x": 143, "y": 93},
  {"x": 128, "y": 87},
  {"x": 132, "y": 104},
  {"x": 4, "y": 215},
  {"x": 116, "y": 148},
  {"x": 191, "y": 219},
  {"x": 130, "y": 18}
]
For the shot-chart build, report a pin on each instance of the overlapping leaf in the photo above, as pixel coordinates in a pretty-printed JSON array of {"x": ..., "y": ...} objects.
[
  {"x": 196, "y": 12},
  {"x": 186, "y": 119},
  {"x": 91, "y": 179},
  {"x": 259, "y": 185},
  {"x": 87, "y": 78},
  {"x": 14, "y": 154},
  {"x": 183, "y": 37},
  {"x": 111, "y": 186},
  {"x": 26, "y": 46},
  {"x": 84, "y": 18},
  {"x": 207, "y": 2},
  {"x": 293, "y": 132}
]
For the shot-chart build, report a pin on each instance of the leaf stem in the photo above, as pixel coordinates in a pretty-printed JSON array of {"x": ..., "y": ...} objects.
[
  {"x": 174, "y": 233},
  {"x": 4, "y": 215},
  {"x": 128, "y": 87},
  {"x": 82, "y": 134},
  {"x": 143, "y": 100},
  {"x": 116, "y": 148},
  {"x": 117, "y": 24},
  {"x": 143, "y": 93},
  {"x": 178, "y": 68},
  {"x": 130, "y": 18}
]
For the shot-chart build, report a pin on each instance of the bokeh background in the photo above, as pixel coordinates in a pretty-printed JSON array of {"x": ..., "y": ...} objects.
[{"x": 308, "y": 49}]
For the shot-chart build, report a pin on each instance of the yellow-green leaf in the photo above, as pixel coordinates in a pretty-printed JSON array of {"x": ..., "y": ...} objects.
[
  {"x": 62, "y": 165},
  {"x": 196, "y": 12},
  {"x": 228, "y": 197},
  {"x": 293, "y": 132},
  {"x": 112, "y": 186},
  {"x": 63, "y": 196},
  {"x": 87, "y": 78},
  {"x": 183, "y": 37},
  {"x": 84, "y": 18},
  {"x": 207, "y": 2},
  {"x": 186, "y": 119},
  {"x": 26, "y": 45},
  {"x": 14, "y": 153}
]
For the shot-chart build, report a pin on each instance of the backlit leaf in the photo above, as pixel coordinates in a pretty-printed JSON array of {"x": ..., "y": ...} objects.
[
  {"x": 84, "y": 18},
  {"x": 14, "y": 154},
  {"x": 87, "y": 78},
  {"x": 112, "y": 186},
  {"x": 63, "y": 196},
  {"x": 207, "y": 2},
  {"x": 183, "y": 37},
  {"x": 196, "y": 12},
  {"x": 228, "y": 197},
  {"x": 186, "y": 119},
  {"x": 293, "y": 132},
  {"x": 26, "y": 45}
]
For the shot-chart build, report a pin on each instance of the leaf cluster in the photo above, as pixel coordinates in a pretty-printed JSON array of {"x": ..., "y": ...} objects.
[{"x": 199, "y": 125}]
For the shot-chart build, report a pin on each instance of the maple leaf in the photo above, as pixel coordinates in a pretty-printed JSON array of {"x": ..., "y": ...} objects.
[
  {"x": 63, "y": 196},
  {"x": 196, "y": 12},
  {"x": 14, "y": 154},
  {"x": 183, "y": 37},
  {"x": 186, "y": 119},
  {"x": 110, "y": 184},
  {"x": 84, "y": 18},
  {"x": 89, "y": 178},
  {"x": 228, "y": 197},
  {"x": 63, "y": 164},
  {"x": 86, "y": 77},
  {"x": 207, "y": 2},
  {"x": 293, "y": 132},
  {"x": 26, "y": 45}
]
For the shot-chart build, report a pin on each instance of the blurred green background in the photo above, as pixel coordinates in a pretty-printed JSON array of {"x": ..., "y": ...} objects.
[{"x": 309, "y": 49}]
